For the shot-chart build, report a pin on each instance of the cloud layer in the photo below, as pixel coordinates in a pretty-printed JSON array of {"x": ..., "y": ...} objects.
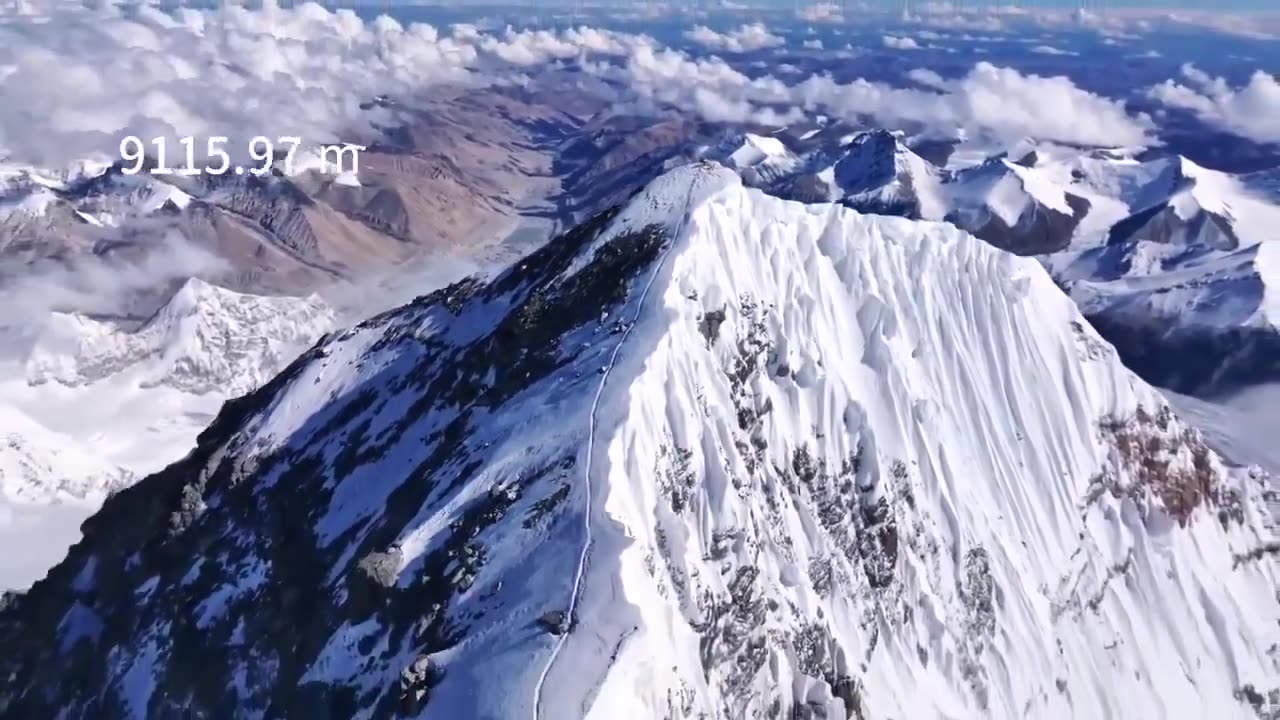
[
  {"x": 72, "y": 84},
  {"x": 989, "y": 100},
  {"x": 745, "y": 39},
  {"x": 1251, "y": 111}
]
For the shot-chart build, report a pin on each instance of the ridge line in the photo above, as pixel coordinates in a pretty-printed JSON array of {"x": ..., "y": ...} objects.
[{"x": 591, "y": 432}]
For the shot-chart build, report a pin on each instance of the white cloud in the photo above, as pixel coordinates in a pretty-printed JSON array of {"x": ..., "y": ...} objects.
[
  {"x": 821, "y": 12},
  {"x": 74, "y": 86},
  {"x": 928, "y": 78},
  {"x": 1050, "y": 50},
  {"x": 745, "y": 39},
  {"x": 989, "y": 100},
  {"x": 945, "y": 16},
  {"x": 537, "y": 47},
  {"x": 813, "y": 44},
  {"x": 900, "y": 43},
  {"x": 75, "y": 82},
  {"x": 710, "y": 87},
  {"x": 1251, "y": 111}
]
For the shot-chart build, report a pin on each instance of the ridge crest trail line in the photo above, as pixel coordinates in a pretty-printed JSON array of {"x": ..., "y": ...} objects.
[{"x": 591, "y": 437}]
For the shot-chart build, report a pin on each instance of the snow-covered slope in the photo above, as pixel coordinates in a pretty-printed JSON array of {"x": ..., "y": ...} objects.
[
  {"x": 49, "y": 484},
  {"x": 39, "y": 465},
  {"x": 795, "y": 462},
  {"x": 1190, "y": 269},
  {"x": 93, "y": 403},
  {"x": 760, "y": 159},
  {"x": 1241, "y": 426},
  {"x": 205, "y": 339}
]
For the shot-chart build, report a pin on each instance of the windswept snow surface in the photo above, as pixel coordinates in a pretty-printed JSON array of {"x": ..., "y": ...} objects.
[
  {"x": 817, "y": 461},
  {"x": 912, "y": 344}
]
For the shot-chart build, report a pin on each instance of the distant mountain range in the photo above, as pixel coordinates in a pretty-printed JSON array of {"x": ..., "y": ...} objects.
[{"x": 1178, "y": 265}]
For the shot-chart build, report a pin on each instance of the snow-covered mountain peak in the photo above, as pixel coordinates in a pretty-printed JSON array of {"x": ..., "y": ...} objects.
[
  {"x": 747, "y": 150},
  {"x": 38, "y": 465},
  {"x": 784, "y": 460},
  {"x": 760, "y": 159},
  {"x": 204, "y": 339},
  {"x": 49, "y": 483},
  {"x": 871, "y": 160},
  {"x": 872, "y": 171},
  {"x": 100, "y": 196}
]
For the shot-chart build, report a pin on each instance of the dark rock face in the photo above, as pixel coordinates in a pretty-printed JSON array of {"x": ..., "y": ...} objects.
[
  {"x": 266, "y": 578},
  {"x": 935, "y": 152},
  {"x": 805, "y": 187},
  {"x": 554, "y": 622},
  {"x": 1161, "y": 224},
  {"x": 869, "y": 164},
  {"x": 864, "y": 171},
  {"x": 1039, "y": 232}
]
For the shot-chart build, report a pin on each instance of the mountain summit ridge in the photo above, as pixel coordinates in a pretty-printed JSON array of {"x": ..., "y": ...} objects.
[{"x": 836, "y": 458}]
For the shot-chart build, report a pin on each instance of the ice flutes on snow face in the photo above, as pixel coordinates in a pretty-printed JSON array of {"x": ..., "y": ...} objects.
[{"x": 712, "y": 454}]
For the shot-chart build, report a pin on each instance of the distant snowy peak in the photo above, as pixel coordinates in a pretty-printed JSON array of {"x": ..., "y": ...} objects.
[
  {"x": 1190, "y": 206},
  {"x": 38, "y": 465},
  {"x": 1189, "y": 232},
  {"x": 204, "y": 339},
  {"x": 876, "y": 172},
  {"x": 760, "y": 159},
  {"x": 872, "y": 171},
  {"x": 1010, "y": 204},
  {"x": 804, "y": 462},
  {"x": 104, "y": 197},
  {"x": 1013, "y": 205}
]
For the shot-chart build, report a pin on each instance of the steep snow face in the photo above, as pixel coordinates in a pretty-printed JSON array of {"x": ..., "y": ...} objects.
[
  {"x": 911, "y": 493},
  {"x": 783, "y": 460},
  {"x": 204, "y": 340}
]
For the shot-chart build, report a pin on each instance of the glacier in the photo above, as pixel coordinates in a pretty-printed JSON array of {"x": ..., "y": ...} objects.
[
  {"x": 204, "y": 339},
  {"x": 87, "y": 405},
  {"x": 712, "y": 454}
]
